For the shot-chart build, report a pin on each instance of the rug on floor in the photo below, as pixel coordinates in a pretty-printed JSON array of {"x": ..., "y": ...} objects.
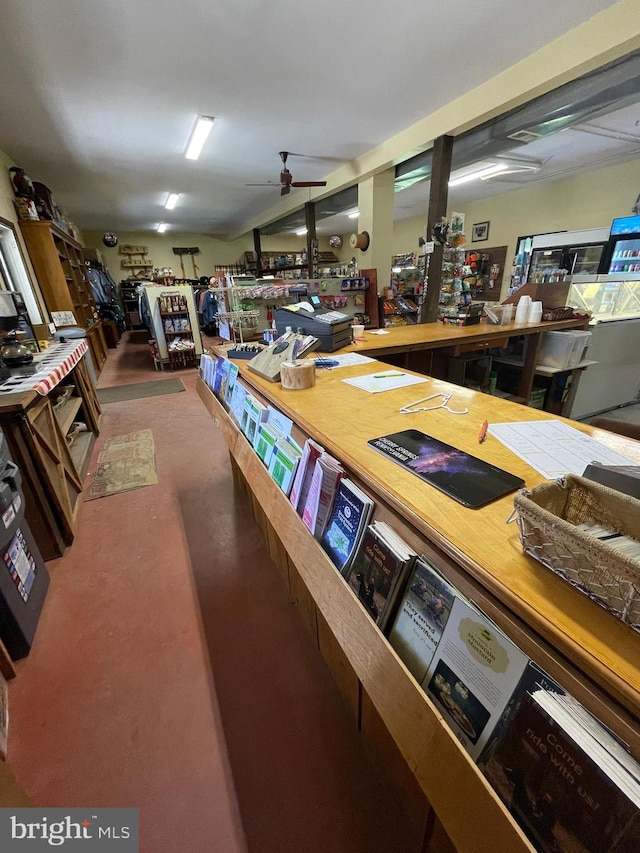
[
  {"x": 126, "y": 462},
  {"x": 119, "y": 393}
]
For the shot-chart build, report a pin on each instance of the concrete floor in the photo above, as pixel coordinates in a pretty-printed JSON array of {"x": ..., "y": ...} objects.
[{"x": 171, "y": 672}]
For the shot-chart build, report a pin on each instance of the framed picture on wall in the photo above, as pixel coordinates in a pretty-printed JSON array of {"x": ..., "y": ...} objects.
[{"x": 479, "y": 232}]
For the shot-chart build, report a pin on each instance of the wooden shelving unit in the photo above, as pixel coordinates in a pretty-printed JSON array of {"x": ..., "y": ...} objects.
[
  {"x": 53, "y": 467},
  {"x": 59, "y": 267}
]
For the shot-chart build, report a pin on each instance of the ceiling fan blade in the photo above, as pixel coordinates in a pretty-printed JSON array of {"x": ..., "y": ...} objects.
[
  {"x": 285, "y": 189},
  {"x": 308, "y": 183}
]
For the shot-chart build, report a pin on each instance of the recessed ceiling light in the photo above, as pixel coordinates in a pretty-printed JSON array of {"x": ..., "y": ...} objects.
[
  {"x": 172, "y": 200},
  {"x": 354, "y": 215},
  {"x": 198, "y": 137},
  {"x": 301, "y": 232},
  {"x": 162, "y": 227}
]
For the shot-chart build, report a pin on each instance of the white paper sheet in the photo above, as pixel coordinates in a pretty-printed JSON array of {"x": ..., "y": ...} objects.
[
  {"x": 385, "y": 380},
  {"x": 553, "y": 448},
  {"x": 348, "y": 359}
]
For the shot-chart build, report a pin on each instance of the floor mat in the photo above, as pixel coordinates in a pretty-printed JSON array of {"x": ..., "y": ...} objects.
[
  {"x": 125, "y": 462},
  {"x": 119, "y": 393}
]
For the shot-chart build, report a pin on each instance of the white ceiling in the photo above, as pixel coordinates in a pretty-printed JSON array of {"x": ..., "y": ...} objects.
[{"x": 99, "y": 97}]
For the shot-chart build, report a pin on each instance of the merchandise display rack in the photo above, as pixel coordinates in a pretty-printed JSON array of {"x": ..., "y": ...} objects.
[{"x": 241, "y": 324}]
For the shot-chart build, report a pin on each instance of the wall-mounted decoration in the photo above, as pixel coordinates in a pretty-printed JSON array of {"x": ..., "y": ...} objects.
[
  {"x": 360, "y": 241},
  {"x": 456, "y": 225},
  {"x": 110, "y": 240},
  {"x": 479, "y": 232}
]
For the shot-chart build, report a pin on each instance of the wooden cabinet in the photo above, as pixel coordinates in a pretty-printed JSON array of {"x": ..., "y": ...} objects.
[
  {"x": 59, "y": 267},
  {"x": 52, "y": 454}
]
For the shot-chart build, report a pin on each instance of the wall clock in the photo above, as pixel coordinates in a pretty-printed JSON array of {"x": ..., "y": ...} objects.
[{"x": 335, "y": 242}]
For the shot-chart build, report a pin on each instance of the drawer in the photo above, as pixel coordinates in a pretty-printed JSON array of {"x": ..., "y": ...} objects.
[{"x": 475, "y": 346}]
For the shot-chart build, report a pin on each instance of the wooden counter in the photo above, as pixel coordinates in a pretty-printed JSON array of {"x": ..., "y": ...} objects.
[
  {"x": 428, "y": 336},
  {"x": 52, "y": 471},
  {"x": 595, "y": 656},
  {"x": 428, "y": 347}
]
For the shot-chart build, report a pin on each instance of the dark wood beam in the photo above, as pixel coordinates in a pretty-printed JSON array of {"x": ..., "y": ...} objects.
[
  {"x": 312, "y": 241},
  {"x": 257, "y": 248},
  {"x": 438, "y": 196}
]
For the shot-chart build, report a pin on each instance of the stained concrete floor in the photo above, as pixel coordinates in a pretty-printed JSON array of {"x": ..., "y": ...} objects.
[{"x": 171, "y": 672}]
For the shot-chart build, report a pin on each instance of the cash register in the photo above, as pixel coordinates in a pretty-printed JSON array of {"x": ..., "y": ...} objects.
[{"x": 309, "y": 317}]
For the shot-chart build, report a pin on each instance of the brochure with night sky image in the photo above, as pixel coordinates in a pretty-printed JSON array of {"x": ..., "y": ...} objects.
[{"x": 468, "y": 480}]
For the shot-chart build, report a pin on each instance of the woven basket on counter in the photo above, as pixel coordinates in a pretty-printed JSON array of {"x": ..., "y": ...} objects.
[
  {"x": 557, "y": 313},
  {"x": 547, "y": 517}
]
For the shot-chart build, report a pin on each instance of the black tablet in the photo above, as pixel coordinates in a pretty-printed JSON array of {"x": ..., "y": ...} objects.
[{"x": 465, "y": 478}]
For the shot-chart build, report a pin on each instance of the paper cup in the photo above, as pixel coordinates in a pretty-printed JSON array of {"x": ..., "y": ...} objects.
[{"x": 358, "y": 332}]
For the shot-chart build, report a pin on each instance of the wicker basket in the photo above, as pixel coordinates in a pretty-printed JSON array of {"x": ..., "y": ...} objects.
[
  {"x": 557, "y": 313},
  {"x": 183, "y": 358},
  {"x": 547, "y": 518}
]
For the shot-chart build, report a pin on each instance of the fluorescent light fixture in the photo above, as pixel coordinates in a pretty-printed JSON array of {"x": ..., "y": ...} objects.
[
  {"x": 162, "y": 227},
  {"x": 172, "y": 200},
  {"x": 510, "y": 170},
  {"x": 198, "y": 137},
  {"x": 354, "y": 215},
  {"x": 484, "y": 171},
  {"x": 301, "y": 232}
]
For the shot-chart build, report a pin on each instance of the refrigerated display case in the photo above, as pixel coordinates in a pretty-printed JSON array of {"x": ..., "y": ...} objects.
[
  {"x": 606, "y": 297},
  {"x": 614, "y": 303},
  {"x": 622, "y": 252},
  {"x": 566, "y": 253}
]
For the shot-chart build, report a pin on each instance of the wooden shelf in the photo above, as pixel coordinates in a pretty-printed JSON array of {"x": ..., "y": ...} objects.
[
  {"x": 80, "y": 450},
  {"x": 173, "y": 313},
  {"x": 542, "y": 369},
  {"x": 184, "y": 334},
  {"x": 67, "y": 412}
]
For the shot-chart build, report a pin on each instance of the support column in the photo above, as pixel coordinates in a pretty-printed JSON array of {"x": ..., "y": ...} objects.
[
  {"x": 257, "y": 248},
  {"x": 375, "y": 206},
  {"x": 312, "y": 241},
  {"x": 438, "y": 195}
]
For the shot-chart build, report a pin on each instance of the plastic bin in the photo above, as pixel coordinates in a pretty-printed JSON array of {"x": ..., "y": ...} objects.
[
  {"x": 499, "y": 315},
  {"x": 556, "y": 350},
  {"x": 582, "y": 341}
]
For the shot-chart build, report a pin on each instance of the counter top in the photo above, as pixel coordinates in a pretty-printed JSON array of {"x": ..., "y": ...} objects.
[
  {"x": 437, "y": 335},
  {"x": 343, "y": 418}
]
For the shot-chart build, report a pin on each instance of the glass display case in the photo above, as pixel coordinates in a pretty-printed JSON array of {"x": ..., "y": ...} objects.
[{"x": 606, "y": 297}]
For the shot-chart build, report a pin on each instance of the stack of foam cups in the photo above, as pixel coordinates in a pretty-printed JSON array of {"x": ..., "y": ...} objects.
[{"x": 522, "y": 311}]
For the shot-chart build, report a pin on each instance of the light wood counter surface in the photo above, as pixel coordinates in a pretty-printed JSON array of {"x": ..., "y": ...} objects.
[
  {"x": 437, "y": 335},
  {"x": 343, "y": 418}
]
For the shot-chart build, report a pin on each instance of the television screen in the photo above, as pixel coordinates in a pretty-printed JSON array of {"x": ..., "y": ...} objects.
[{"x": 625, "y": 225}]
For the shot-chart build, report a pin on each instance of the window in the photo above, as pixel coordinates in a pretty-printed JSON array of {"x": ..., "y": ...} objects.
[{"x": 13, "y": 274}]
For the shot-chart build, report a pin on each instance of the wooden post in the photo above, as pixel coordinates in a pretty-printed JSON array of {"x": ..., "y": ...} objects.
[
  {"x": 257, "y": 248},
  {"x": 312, "y": 242},
  {"x": 438, "y": 195}
]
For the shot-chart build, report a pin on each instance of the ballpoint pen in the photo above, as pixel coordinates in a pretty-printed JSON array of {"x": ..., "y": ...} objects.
[
  {"x": 387, "y": 375},
  {"x": 483, "y": 431}
]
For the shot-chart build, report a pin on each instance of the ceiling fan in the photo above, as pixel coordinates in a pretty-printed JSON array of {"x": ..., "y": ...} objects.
[{"x": 286, "y": 179}]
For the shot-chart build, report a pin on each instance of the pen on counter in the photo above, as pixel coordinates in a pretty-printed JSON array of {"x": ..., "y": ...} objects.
[
  {"x": 483, "y": 431},
  {"x": 387, "y": 375}
]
